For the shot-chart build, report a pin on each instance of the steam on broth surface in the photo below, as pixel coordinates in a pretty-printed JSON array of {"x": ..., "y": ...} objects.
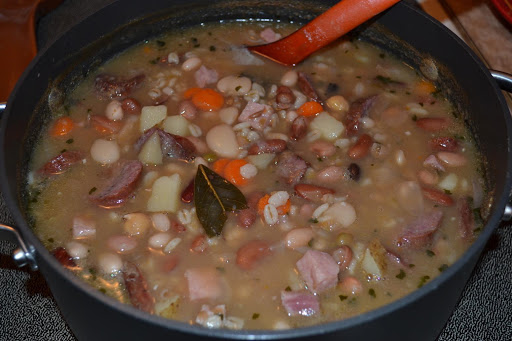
[{"x": 200, "y": 183}]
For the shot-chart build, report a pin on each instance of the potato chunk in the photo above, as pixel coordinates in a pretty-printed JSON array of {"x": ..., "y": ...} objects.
[
  {"x": 151, "y": 116},
  {"x": 165, "y": 196},
  {"x": 328, "y": 126},
  {"x": 151, "y": 152},
  {"x": 177, "y": 125}
]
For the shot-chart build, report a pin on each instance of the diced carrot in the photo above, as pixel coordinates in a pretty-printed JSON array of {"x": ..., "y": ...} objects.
[
  {"x": 207, "y": 99},
  {"x": 425, "y": 87},
  {"x": 62, "y": 126},
  {"x": 310, "y": 108},
  {"x": 191, "y": 92},
  {"x": 283, "y": 209},
  {"x": 219, "y": 165},
  {"x": 232, "y": 172}
]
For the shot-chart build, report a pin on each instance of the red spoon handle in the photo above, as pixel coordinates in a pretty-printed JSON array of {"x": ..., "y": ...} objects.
[{"x": 327, "y": 27}]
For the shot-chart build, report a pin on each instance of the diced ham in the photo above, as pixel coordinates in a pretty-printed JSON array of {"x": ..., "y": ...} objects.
[
  {"x": 83, "y": 228},
  {"x": 205, "y": 76},
  {"x": 204, "y": 283},
  {"x": 257, "y": 114},
  {"x": 291, "y": 167},
  {"x": 319, "y": 270},
  {"x": 419, "y": 232},
  {"x": 271, "y": 146},
  {"x": 433, "y": 162},
  {"x": 300, "y": 303},
  {"x": 358, "y": 109},
  {"x": 109, "y": 86},
  {"x": 269, "y": 35}
]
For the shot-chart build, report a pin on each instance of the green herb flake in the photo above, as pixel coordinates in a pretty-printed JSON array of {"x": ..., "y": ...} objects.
[
  {"x": 382, "y": 55},
  {"x": 401, "y": 274},
  {"x": 70, "y": 141},
  {"x": 407, "y": 92},
  {"x": 423, "y": 280},
  {"x": 220, "y": 269},
  {"x": 386, "y": 80},
  {"x": 358, "y": 77},
  {"x": 430, "y": 253},
  {"x": 288, "y": 288},
  {"x": 313, "y": 221},
  {"x": 51, "y": 240},
  {"x": 412, "y": 265},
  {"x": 342, "y": 297},
  {"x": 89, "y": 110},
  {"x": 92, "y": 190},
  {"x": 447, "y": 191},
  {"x": 238, "y": 88},
  {"x": 371, "y": 292},
  {"x": 255, "y": 316},
  {"x": 103, "y": 290},
  {"x": 160, "y": 43},
  {"x": 414, "y": 118},
  {"x": 213, "y": 48},
  {"x": 443, "y": 267},
  {"x": 320, "y": 159},
  {"x": 310, "y": 243},
  {"x": 63, "y": 150}
]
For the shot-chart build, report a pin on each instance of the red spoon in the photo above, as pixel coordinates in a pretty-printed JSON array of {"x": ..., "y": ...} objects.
[{"x": 327, "y": 27}]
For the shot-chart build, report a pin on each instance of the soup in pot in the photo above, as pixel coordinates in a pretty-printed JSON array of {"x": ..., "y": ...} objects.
[{"x": 196, "y": 181}]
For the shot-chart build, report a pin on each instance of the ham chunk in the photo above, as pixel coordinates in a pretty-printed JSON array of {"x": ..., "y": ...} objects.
[
  {"x": 83, "y": 228},
  {"x": 269, "y": 35},
  {"x": 419, "y": 232},
  {"x": 204, "y": 283},
  {"x": 299, "y": 303},
  {"x": 257, "y": 114},
  {"x": 205, "y": 76},
  {"x": 319, "y": 270}
]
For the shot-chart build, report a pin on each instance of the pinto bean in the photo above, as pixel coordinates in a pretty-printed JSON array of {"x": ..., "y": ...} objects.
[
  {"x": 433, "y": 124},
  {"x": 299, "y": 128},
  {"x": 187, "y": 109},
  {"x": 131, "y": 106},
  {"x": 199, "y": 244},
  {"x": 284, "y": 97},
  {"x": 331, "y": 174},
  {"x": 437, "y": 196},
  {"x": 248, "y": 255},
  {"x": 312, "y": 192},
  {"x": 428, "y": 177},
  {"x": 323, "y": 148},
  {"x": 63, "y": 257},
  {"x": 307, "y": 88},
  {"x": 298, "y": 237},
  {"x": 452, "y": 159},
  {"x": 354, "y": 172},
  {"x": 61, "y": 163},
  {"x": 361, "y": 148},
  {"x": 188, "y": 193},
  {"x": 271, "y": 146},
  {"x": 137, "y": 288},
  {"x": 247, "y": 217},
  {"x": 343, "y": 256},
  {"x": 350, "y": 285},
  {"x": 443, "y": 144}
]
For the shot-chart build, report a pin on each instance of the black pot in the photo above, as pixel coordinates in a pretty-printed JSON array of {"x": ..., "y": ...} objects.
[{"x": 91, "y": 315}]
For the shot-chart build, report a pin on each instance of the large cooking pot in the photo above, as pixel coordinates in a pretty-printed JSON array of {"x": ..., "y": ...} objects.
[{"x": 94, "y": 316}]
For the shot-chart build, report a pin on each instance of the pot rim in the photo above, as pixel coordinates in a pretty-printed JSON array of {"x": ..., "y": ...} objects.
[{"x": 43, "y": 254}]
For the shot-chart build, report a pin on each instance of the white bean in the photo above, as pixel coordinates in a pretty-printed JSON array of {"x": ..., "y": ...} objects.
[
  {"x": 228, "y": 115},
  {"x": 341, "y": 212},
  {"x": 110, "y": 263},
  {"x": 191, "y": 64},
  {"x": 121, "y": 244},
  {"x": 338, "y": 103},
  {"x": 159, "y": 240},
  {"x": 105, "y": 152},
  {"x": 290, "y": 78},
  {"x": 298, "y": 237},
  {"x": 76, "y": 250},
  {"x": 248, "y": 171},
  {"x": 114, "y": 111},
  {"x": 136, "y": 223},
  {"x": 161, "y": 222},
  {"x": 173, "y": 58},
  {"x": 222, "y": 140},
  {"x": 235, "y": 86}
]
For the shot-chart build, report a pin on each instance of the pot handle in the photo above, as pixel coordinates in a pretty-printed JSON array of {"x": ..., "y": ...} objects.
[
  {"x": 503, "y": 79},
  {"x": 24, "y": 254}
]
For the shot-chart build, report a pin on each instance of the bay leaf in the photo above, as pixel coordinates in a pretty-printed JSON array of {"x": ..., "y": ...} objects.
[{"x": 214, "y": 196}]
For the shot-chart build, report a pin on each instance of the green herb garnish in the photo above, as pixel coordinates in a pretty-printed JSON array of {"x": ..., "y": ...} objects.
[
  {"x": 430, "y": 253},
  {"x": 443, "y": 267},
  {"x": 92, "y": 190},
  {"x": 70, "y": 141},
  {"x": 342, "y": 297},
  {"x": 371, "y": 292},
  {"x": 401, "y": 274},
  {"x": 423, "y": 280}
]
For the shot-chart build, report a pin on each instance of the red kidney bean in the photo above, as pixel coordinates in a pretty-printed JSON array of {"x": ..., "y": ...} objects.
[
  {"x": 466, "y": 219},
  {"x": 254, "y": 198},
  {"x": 299, "y": 128},
  {"x": 312, "y": 192},
  {"x": 188, "y": 193},
  {"x": 428, "y": 177},
  {"x": 433, "y": 124},
  {"x": 443, "y": 144},
  {"x": 361, "y": 148},
  {"x": 137, "y": 288},
  {"x": 104, "y": 125},
  {"x": 272, "y": 146},
  {"x": 284, "y": 97},
  {"x": 131, "y": 106},
  {"x": 63, "y": 257},
  {"x": 331, "y": 174},
  {"x": 343, "y": 256},
  {"x": 323, "y": 148},
  {"x": 452, "y": 159},
  {"x": 437, "y": 196},
  {"x": 354, "y": 172},
  {"x": 307, "y": 88},
  {"x": 177, "y": 227},
  {"x": 252, "y": 252},
  {"x": 247, "y": 217},
  {"x": 187, "y": 109},
  {"x": 199, "y": 244},
  {"x": 61, "y": 163}
]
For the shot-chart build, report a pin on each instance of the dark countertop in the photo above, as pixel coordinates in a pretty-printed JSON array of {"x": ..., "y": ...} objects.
[{"x": 484, "y": 312}]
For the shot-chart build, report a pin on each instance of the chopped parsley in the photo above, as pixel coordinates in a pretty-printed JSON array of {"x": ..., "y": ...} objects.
[
  {"x": 414, "y": 118},
  {"x": 238, "y": 88},
  {"x": 446, "y": 191},
  {"x": 288, "y": 288},
  {"x": 313, "y": 221},
  {"x": 423, "y": 280},
  {"x": 160, "y": 43},
  {"x": 430, "y": 253},
  {"x": 342, "y": 297},
  {"x": 70, "y": 141},
  {"x": 371, "y": 292},
  {"x": 255, "y": 316},
  {"x": 50, "y": 240},
  {"x": 401, "y": 274},
  {"x": 92, "y": 190},
  {"x": 443, "y": 267},
  {"x": 386, "y": 80},
  {"x": 213, "y": 48}
]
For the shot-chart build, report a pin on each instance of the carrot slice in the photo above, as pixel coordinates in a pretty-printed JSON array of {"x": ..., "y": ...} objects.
[
  {"x": 283, "y": 209},
  {"x": 207, "y": 99},
  {"x": 310, "y": 108},
  {"x": 62, "y": 126},
  {"x": 219, "y": 166},
  {"x": 425, "y": 87},
  {"x": 191, "y": 92},
  {"x": 232, "y": 172}
]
